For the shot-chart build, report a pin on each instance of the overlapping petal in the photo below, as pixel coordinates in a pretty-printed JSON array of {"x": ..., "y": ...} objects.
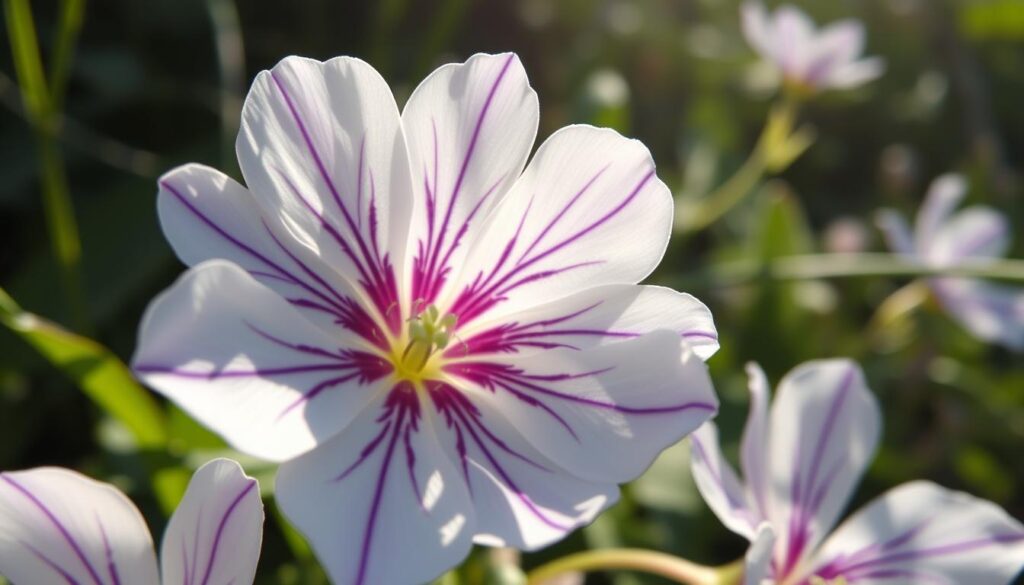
[
  {"x": 469, "y": 129},
  {"x": 991, "y": 312},
  {"x": 922, "y": 533},
  {"x": 216, "y": 533},
  {"x": 59, "y": 527},
  {"x": 244, "y": 362},
  {"x": 604, "y": 413},
  {"x": 719, "y": 485},
  {"x": 381, "y": 502},
  {"x": 588, "y": 211}
]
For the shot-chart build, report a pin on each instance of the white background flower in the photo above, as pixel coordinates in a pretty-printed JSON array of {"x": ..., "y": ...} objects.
[
  {"x": 59, "y": 527},
  {"x": 944, "y": 239},
  {"x": 801, "y": 460},
  {"x": 808, "y": 58},
  {"x": 443, "y": 348}
]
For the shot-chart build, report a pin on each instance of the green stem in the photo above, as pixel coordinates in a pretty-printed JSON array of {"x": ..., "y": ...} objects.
[
  {"x": 817, "y": 266},
  {"x": 655, "y": 563},
  {"x": 71, "y": 16},
  {"x": 40, "y": 104}
]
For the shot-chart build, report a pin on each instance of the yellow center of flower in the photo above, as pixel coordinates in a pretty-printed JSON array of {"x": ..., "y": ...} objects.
[{"x": 427, "y": 334}]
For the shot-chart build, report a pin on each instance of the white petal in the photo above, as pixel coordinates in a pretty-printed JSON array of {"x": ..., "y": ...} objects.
[
  {"x": 976, "y": 233},
  {"x": 207, "y": 215},
  {"x": 244, "y": 362},
  {"x": 215, "y": 534},
  {"x": 59, "y": 527},
  {"x": 825, "y": 426},
  {"x": 605, "y": 413},
  {"x": 795, "y": 34},
  {"x": 321, "y": 145},
  {"x": 529, "y": 502},
  {"x": 381, "y": 503},
  {"x": 469, "y": 128},
  {"x": 897, "y": 233},
  {"x": 757, "y": 561},
  {"x": 718, "y": 485},
  {"x": 856, "y": 73},
  {"x": 588, "y": 211},
  {"x": 757, "y": 28},
  {"x": 944, "y": 194},
  {"x": 922, "y": 533},
  {"x": 597, "y": 316},
  {"x": 754, "y": 447},
  {"x": 834, "y": 49},
  {"x": 991, "y": 312}
]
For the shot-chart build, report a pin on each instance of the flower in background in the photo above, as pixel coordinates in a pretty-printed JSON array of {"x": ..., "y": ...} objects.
[
  {"x": 801, "y": 462},
  {"x": 944, "y": 239},
  {"x": 808, "y": 59},
  {"x": 58, "y": 527},
  {"x": 441, "y": 347}
]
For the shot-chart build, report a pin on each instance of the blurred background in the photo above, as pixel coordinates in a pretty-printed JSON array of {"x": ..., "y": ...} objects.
[{"x": 149, "y": 85}]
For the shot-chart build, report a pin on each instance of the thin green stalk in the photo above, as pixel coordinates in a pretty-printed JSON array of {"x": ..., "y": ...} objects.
[
  {"x": 655, "y": 563},
  {"x": 728, "y": 194},
  {"x": 71, "y": 16},
  {"x": 40, "y": 105},
  {"x": 818, "y": 266}
]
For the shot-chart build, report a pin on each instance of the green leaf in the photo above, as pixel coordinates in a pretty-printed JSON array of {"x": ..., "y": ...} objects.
[{"x": 97, "y": 371}]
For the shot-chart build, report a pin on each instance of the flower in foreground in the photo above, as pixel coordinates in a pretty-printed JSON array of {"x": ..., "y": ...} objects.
[
  {"x": 801, "y": 462},
  {"x": 809, "y": 60},
  {"x": 441, "y": 347},
  {"x": 944, "y": 239},
  {"x": 58, "y": 527}
]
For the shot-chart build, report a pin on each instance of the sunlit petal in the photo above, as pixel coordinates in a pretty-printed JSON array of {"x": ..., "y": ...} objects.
[{"x": 719, "y": 485}]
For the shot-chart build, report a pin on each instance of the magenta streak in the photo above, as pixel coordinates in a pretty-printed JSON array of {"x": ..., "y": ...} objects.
[
  {"x": 483, "y": 300},
  {"x": 980, "y": 241},
  {"x": 358, "y": 236},
  {"x": 297, "y": 347},
  {"x": 49, "y": 563},
  {"x": 802, "y": 496},
  {"x": 111, "y": 564},
  {"x": 561, "y": 214},
  {"x": 261, "y": 372},
  {"x": 834, "y": 567},
  {"x": 523, "y": 497},
  {"x": 220, "y": 529},
  {"x": 244, "y": 247},
  {"x": 39, "y": 505},
  {"x": 365, "y": 453},
  {"x": 316, "y": 390},
  {"x": 434, "y": 249}
]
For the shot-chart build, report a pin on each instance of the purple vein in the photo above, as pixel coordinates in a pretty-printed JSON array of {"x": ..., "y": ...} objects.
[{"x": 251, "y": 484}]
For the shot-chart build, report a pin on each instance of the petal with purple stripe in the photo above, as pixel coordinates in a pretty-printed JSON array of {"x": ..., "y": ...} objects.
[
  {"x": 382, "y": 502},
  {"x": 244, "y": 362},
  {"x": 530, "y": 501},
  {"x": 718, "y": 484},
  {"x": 597, "y": 316},
  {"x": 990, "y": 311},
  {"x": 322, "y": 145},
  {"x": 825, "y": 426},
  {"x": 469, "y": 128},
  {"x": 214, "y": 536},
  {"x": 59, "y": 527},
  {"x": 605, "y": 413},
  {"x": 922, "y": 533},
  {"x": 588, "y": 211}
]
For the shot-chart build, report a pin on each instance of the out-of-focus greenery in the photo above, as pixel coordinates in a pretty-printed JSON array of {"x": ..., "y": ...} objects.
[{"x": 149, "y": 85}]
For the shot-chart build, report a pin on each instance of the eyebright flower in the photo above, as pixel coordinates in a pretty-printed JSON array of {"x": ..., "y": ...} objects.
[
  {"x": 943, "y": 239},
  {"x": 60, "y": 527},
  {"x": 809, "y": 60},
  {"x": 801, "y": 463},
  {"x": 441, "y": 347}
]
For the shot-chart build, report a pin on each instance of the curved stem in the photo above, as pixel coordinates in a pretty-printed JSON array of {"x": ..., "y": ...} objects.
[
  {"x": 817, "y": 266},
  {"x": 655, "y": 563}
]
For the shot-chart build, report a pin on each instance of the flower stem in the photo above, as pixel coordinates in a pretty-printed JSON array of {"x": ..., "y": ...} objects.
[
  {"x": 655, "y": 563},
  {"x": 817, "y": 266}
]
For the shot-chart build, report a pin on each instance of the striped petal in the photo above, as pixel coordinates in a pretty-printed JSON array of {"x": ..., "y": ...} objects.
[
  {"x": 215, "y": 534},
  {"x": 58, "y": 527},
  {"x": 382, "y": 502},
  {"x": 992, "y": 312},
  {"x": 602, "y": 414},
  {"x": 825, "y": 425},
  {"x": 719, "y": 485},
  {"x": 469, "y": 128},
  {"x": 944, "y": 194},
  {"x": 922, "y": 533},
  {"x": 754, "y": 444},
  {"x": 244, "y": 362},
  {"x": 588, "y": 211}
]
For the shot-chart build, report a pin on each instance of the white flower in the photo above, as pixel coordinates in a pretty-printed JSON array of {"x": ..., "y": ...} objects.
[
  {"x": 58, "y": 527},
  {"x": 442, "y": 347},
  {"x": 801, "y": 463},
  {"x": 943, "y": 239},
  {"x": 809, "y": 59}
]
